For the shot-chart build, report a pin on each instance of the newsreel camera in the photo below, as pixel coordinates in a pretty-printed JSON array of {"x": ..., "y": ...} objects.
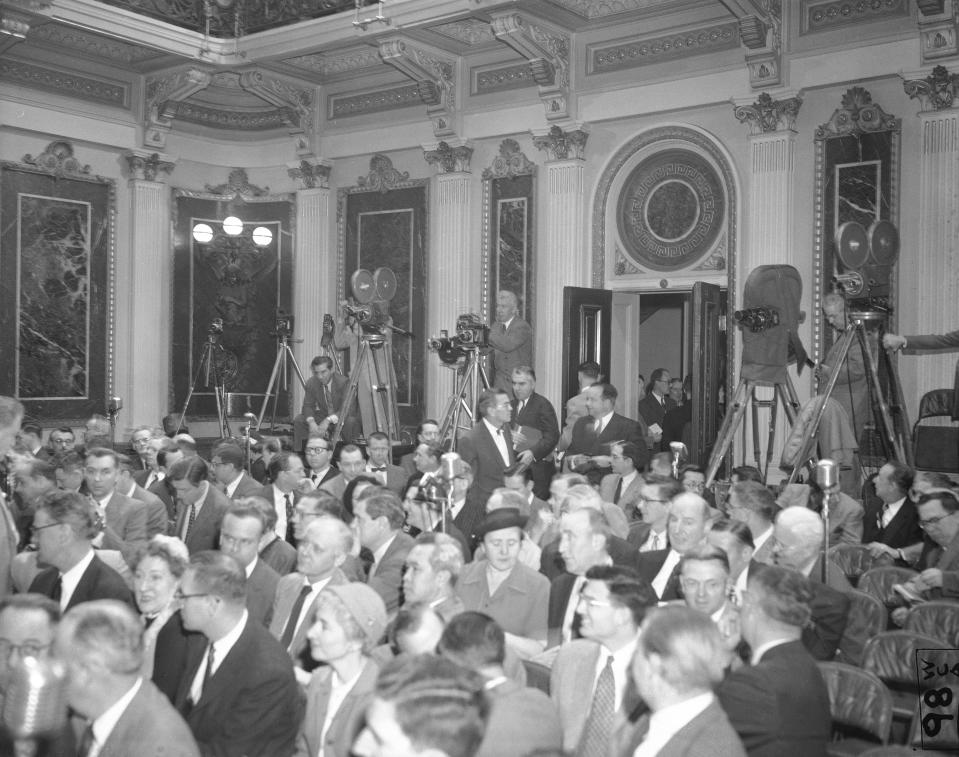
[
  {"x": 864, "y": 261},
  {"x": 370, "y": 304},
  {"x": 471, "y": 332}
]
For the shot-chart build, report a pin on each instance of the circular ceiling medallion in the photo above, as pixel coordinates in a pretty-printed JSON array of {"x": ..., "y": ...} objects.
[{"x": 671, "y": 210}]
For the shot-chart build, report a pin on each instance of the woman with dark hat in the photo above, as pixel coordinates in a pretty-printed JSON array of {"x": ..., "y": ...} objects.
[{"x": 514, "y": 595}]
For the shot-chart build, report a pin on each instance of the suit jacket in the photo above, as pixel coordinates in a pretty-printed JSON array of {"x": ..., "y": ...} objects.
[
  {"x": 174, "y": 645},
  {"x": 764, "y": 554},
  {"x": 479, "y": 450},
  {"x": 287, "y": 591},
  {"x": 150, "y": 727},
  {"x": 335, "y": 486},
  {"x": 519, "y": 605},
  {"x": 780, "y": 705},
  {"x": 279, "y": 555},
  {"x": 539, "y": 414},
  {"x": 158, "y": 521},
  {"x": 939, "y": 342},
  {"x": 522, "y": 720},
  {"x": 260, "y": 592},
  {"x": 251, "y": 706},
  {"x": 707, "y": 734},
  {"x": 652, "y": 411},
  {"x": 586, "y": 442},
  {"x": 161, "y": 489},
  {"x": 628, "y": 499},
  {"x": 314, "y": 399},
  {"x": 650, "y": 563},
  {"x": 125, "y": 526},
  {"x": 348, "y": 720},
  {"x": 205, "y": 532},
  {"x": 396, "y": 478},
  {"x": 99, "y": 581},
  {"x": 551, "y": 563},
  {"x": 407, "y": 464},
  {"x": 571, "y": 683},
  {"x": 246, "y": 487},
  {"x": 512, "y": 347},
  {"x": 903, "y": 530},
  {"x": 387, "y": 578},
  {"x": 945, "y": 559},
  {"x": 830, "y": 611}
]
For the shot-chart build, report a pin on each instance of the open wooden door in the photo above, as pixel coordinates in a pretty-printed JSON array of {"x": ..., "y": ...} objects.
[
  {"x": 587, "y": 324},
  {"x": 706, "y": 359}
]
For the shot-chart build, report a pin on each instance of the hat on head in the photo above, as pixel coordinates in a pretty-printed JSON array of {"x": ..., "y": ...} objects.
[
  {"x": 365, "y": 605},
  {"x": 504, "y": 517}
]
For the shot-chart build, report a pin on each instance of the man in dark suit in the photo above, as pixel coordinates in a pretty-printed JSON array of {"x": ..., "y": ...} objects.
[
  {"x": 245, "y": 700},
  {"x": 243, "y": 526},
  {"x": 534, "y": 411},
  {"x": 227, "y": 462},
  {"x": 589, "y": 452},
  {"x": 488, "y": 449},
  {"x": 428, "y": 432},
  {"x": 688, "y": 518},
  {"x": 199, "y": 505},
  {"x": 657, "y": 402},
  {"x": 65, "y": 524},
  {"x": 678, "y": 662},
  {"x": 323, "y": 397},
  {"x": 890, "y": 524},
  {"x": 379, "y": 523},
  {"x": 286, "y": 472},
  {"x": 323, "y": 549},
  {"x": 779, "y": 704},
  {"x": 379, "y": 465},
  {"x": 124, "y": 519},
  {"x": 101, "y": 644},
  {"x": 512, "y": 341}
]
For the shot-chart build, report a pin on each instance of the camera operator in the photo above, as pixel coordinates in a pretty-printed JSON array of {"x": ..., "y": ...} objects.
[
  {"x": 322, "y": 400},
  {"x": 512, "y": 341},
  {"x": 851, "y": 390}
]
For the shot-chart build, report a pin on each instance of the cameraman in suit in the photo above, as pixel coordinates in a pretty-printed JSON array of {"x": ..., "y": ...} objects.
[
  {"x": 322, "y": 399},
  {"x": 511, "y": 339}
]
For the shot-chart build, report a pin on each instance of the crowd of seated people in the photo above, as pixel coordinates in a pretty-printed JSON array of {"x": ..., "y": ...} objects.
[{"x": 322, "y": 601}]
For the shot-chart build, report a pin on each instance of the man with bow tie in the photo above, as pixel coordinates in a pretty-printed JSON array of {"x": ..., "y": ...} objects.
[{"x": 378, "y": 447}]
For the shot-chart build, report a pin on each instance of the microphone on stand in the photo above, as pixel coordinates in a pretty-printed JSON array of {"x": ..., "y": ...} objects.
[
  {"x": 827, "y": 477},
  {"x": 449, "y": 465}
]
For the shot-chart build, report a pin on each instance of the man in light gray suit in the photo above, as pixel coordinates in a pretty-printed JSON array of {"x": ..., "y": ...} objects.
[
  {"x": 622, "y": 487},
  {"x": 244, "y": 524},
  {"x": 124, "y": 519},
  {"x": 101, "y": 642},
  {"x": 324, "y": 547}
]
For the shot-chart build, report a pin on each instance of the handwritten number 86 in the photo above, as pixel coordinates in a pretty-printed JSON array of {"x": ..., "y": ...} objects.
[{"x": 932, "y": 723}]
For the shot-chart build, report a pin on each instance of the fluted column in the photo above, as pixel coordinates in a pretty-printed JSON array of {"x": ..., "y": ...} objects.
[
  {"x": 928, "y": 283},
  {"x": 561, "y": 259},
  {"x": 770, "y": 216},
  {"x": 453, "y": 284},
  {"x": 314, "y": 279},
  {"x": 143, "y": 295}
]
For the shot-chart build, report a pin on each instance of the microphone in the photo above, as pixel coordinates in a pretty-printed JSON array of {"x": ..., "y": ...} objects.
[
  {"x": 449, "y": 465},
  {"x": 251, "y": 417},
  {"x": 827, "y": 474},
  {"x": 115, "y": 405},
  {"x": 36, "y": 699}
]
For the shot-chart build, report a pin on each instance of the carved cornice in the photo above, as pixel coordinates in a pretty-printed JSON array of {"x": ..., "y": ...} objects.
[
  {"x": 434, "y": 76},
  {"x": 936, "y": 92},
  {"x": 764, "y": 32},
  {"x": 562, "y": 145},
  {"x": 238, "y": 185},
  {"x": 500, "y": 78},
  {"x": 62, "y": 83},
  {"x": 767, "y": 115},
  {"x": 644, "y": 51},
  {"x": 296, "y": 106},
  {"x": 221, "y": 118},
  {"x": 510, "y": 162},
  {"x": 348, "y": 106},
  {"x": 162, "y": 95},
  {"x": 469, "y": 31},
  {"x": 548, "y": 54},
  {"x": 90, "y": 44},
  {"x": 382, "y": 176},
  {"x": 145, "y": 166},
  {"x": 826, "y": 15},
  {"x": 858, "y": 114},
  {"x": 601, "y": 8},
  {"x": 938, "y": 30},
  {"x": 450, "y": 158},
  {"x": 57, "y": 159},
  {"x": 313, "y": 172},
  {"x": 328, "y": 65}
]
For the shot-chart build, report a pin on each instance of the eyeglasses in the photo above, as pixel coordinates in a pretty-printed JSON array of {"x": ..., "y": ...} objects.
[
  {"x": 35, "y": 528},
  {"x": 933, "y": 521},
  {"x": 27, "y": 649},
  {"x": 180, "y": 595},
  {"x": 650, "y": 499},
  {"x": 316, "y": 450},
  {"x": 592, "y": 602}
]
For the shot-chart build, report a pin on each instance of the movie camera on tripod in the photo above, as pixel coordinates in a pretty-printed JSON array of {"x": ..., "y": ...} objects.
[
  {"x": 282, "y": 325},
  {"x": 472, "y": 332},
  {"x": 864, "y": 261},
  {"x": 216, "y": 327},
  {"x": 757, "y": 320}
]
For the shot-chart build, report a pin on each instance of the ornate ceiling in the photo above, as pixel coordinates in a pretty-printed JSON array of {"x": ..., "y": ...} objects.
[{"x": 245, "y": 68}]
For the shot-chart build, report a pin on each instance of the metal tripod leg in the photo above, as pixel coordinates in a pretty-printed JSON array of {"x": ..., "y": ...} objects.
[
  {"x": 891, "y": 437},
  {"x": 206, "y": 366},
  {"x": 352, "y": 390},
  {"x": 283, "y": 351},
  {"x": 734, "y": 417},
  {"x": 473, "y": 375}
]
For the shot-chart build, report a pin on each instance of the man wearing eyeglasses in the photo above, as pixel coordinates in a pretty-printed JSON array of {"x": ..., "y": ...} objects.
[
  {"x": 938, "y": 565},
  {"x": 227, "y": 463},
  {"x": 655, "y": 492}
]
